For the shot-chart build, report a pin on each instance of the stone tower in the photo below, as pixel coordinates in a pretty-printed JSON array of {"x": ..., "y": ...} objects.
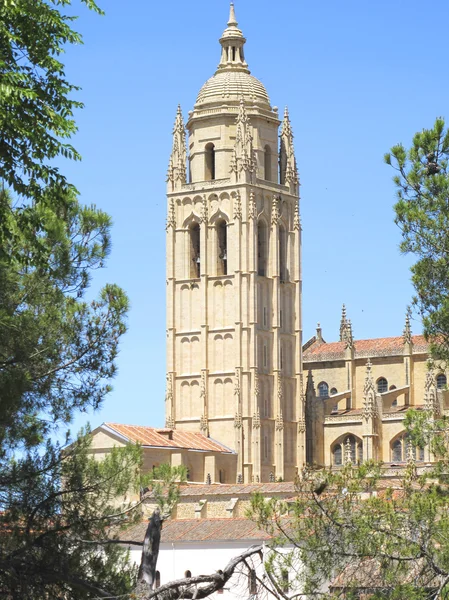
[{"x": 234, "y": 366}]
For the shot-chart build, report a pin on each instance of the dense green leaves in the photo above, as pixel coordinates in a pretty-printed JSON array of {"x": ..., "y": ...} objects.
[
  {"x": 36, "y": 117},
  {"x": 58, "y": 348},
  {"x": 422, "y": 213}
]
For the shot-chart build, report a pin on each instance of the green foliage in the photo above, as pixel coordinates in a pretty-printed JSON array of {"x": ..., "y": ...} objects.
[
  {"x": 363, "y": 534},
  {"x": 422, "y": 213},
  {"x": 61, "y": 504},
  {"x": 59, "y": 508},
  {"x": 36, "y": 116},
  {"x": 164, "y": 482}
]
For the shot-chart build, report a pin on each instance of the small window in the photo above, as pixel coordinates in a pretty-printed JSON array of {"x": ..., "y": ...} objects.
[
  {"x": 221, "y": 476},
  {"x": 283, "y": 254},
  {"x": 265, "y": 355},
  {"x": 195, "y": 261},
  {"x": 392, "y": 387},
  {"x": 158, "y": 579},
  {"x": 382, "y": 385},
  {"x": 188, "y": 573},
  {"x": 265, "y": 317},
  {"x": 441, "y": 381},
  {"x": 222, "y": 248},
  {"x": 209, "y": 162},
  {"x": 262, "y": 249},
  {"x": 267, "y": 163},
  {"x": 281, "y": 319},
  {"x": 395, "y": 402},
  {"x": 323, "y": 390},
  {"x": 266, "y": 450},
  {"x": 334, "y": 391},
  {"x": 282, "y": 358}
]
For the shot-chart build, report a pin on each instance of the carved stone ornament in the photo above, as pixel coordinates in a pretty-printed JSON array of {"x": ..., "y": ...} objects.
[
  {"x": 279, "y": 422},
  {"x": 204, "y": 210},
  {"x": 280, "y": 392},
  {"x": 204, "y": 425},
  {"x": 252, "y": 209},
  {"x": 296, "y": 218},
  {"x": 256, "y": 385},
  {"x": 369, "y": 395},
  {"x": 203, "y": 385},
  {"x": 244, "y": 155},
  {"x": 171, "y": 218},
  {"x": 177, "y": 167},
  {"x": 343, "y": 323},
  {"x": 169, "y": 389},
  {"x": 289, "y": 171},
  {"x": 256, "y": 419},
  {"x": 301, "y": 425},
  {"x": 275, "y": 213},
  {"x": 238, "y": 207},
  {"x": 170, "y": 422},
  {"x": 430, "y": 392},
  {"x": 238, "y": 423},
  {"x": 407, "y": 334},
  {"x": 348, "y": 452},
  {"x": 237, "y": 385}
]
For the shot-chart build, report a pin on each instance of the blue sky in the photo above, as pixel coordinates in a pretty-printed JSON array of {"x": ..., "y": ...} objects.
[{"x": 357, "y": 77}]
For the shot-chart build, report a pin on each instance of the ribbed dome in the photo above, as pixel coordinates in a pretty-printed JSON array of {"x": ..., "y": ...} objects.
[{"x": 232, "y": 86}]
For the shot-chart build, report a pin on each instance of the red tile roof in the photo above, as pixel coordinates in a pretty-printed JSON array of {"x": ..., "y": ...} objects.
[
  {"x": 167, "y": 438},
  {"x": 364, "y": 348},
  {"x": 198, "y": 530}
]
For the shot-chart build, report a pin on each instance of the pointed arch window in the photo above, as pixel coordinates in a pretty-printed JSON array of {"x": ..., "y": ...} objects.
[
  {"x": 339, "y": 450},
  {"x": 209, "y": 162},
  {"x": 441, "y": 381},
  {"x": 262, "y": 249},
  {"x": 195, "y": 259},
  {"x": 222, "y": 247},
  {"x": 400, "y": 447},
  {"x": 158, "y": 579},
  {"x": 267, "y": 163}
]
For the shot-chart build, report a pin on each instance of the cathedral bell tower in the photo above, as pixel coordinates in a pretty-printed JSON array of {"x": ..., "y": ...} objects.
[{"x": 234, "y": 334}]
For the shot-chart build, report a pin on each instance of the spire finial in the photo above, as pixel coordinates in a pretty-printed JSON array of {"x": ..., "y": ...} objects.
[
  {"x": 343, "y": 323},
  {"x": 286, "y": 115},
  {"x": 407, "y": 334},
  {"x": 232, "y": 20}
]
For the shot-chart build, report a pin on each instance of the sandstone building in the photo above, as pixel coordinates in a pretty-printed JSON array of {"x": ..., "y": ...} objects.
[
  {"x": 233, "y": 273},
  {"x": 234, "y": 333}
]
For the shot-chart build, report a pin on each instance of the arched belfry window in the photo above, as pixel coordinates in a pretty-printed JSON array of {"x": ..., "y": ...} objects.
[
  {"x": 283, "y": 254},
  {"x": 441, "y": 381},
  {"x": 195, "y": 259},
  {"x": 382, "y": 385},
  {"x": 209, "y": 162},
  {"x": 222, "y": 248},
  {"x": 323, "y": 390},
  {"x": 262, "y": 248},
  {"x": 267, "y": 163}
]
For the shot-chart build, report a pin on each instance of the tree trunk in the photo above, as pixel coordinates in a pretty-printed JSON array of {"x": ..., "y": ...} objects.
[{"x": 150, "y": 552}]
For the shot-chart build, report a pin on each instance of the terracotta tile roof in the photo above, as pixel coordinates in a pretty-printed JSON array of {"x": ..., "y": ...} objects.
[
  {"x": 240, "y": 489},
  {"x": 198, "y": 530},
  {"x": 364, "y": 348},
  {"x": 167, "y": 438}
]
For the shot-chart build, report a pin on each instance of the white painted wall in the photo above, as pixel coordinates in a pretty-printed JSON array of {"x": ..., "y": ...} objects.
[{"x": 203, "y": 558}]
